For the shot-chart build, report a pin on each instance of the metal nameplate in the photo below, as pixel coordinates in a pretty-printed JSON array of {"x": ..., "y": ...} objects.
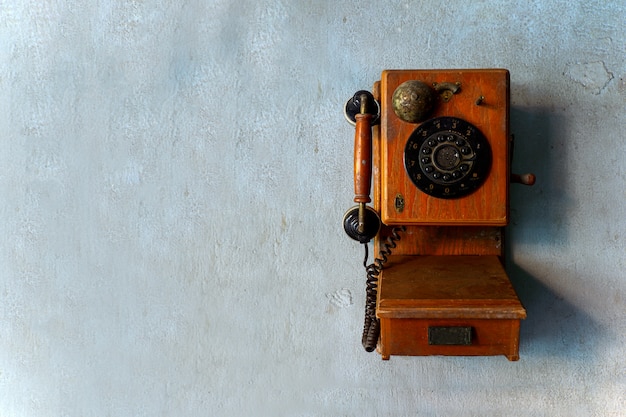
[{"x": 450, "y": 335}]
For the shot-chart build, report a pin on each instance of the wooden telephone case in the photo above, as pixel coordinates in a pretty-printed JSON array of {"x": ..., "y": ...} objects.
[{"x": 441, "y": 186}]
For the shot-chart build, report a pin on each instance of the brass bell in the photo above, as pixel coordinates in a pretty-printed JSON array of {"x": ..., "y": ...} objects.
[{"x": 413, "y": 101}]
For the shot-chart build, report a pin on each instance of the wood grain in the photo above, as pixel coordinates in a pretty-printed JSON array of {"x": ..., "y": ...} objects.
[{"x": 486, "y": 206}]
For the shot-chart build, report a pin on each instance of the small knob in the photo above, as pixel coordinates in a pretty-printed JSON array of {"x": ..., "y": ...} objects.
[
  {"x": 526, "y": 179},
  {"x": 413, "y": 101}
]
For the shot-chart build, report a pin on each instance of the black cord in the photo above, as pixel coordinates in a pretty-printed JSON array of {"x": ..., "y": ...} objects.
[{"x": 371, "y": 327}]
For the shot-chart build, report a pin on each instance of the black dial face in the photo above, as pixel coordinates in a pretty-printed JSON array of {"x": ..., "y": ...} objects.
[{"x": 447, "y": 157}]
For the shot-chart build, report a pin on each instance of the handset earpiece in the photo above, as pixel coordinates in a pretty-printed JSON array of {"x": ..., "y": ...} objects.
[
  {"x": 369, "y": 227},
  {"x": 362, "y": 223}
]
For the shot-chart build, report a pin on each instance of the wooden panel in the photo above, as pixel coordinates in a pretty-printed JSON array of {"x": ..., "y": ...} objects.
[
  {"x": 486, "y": 206},
  {"x": 445, "y": 240},
  {"x": 447, "y": 287}
]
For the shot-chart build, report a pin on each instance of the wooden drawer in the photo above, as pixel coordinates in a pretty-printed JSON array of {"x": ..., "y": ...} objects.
[{"x": 487, "y": 337}]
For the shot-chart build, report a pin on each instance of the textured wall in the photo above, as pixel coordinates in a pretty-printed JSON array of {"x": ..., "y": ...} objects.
[{"x": 173, "y": 175}]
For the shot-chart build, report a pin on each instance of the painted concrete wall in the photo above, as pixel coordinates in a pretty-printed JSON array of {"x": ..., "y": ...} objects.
[{"x": 173, "y": 175}]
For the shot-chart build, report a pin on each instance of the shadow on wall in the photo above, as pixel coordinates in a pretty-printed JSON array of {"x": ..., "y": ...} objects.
[
  {"x": 539, "y": 213},
  {"x": 554, "y": 326}
]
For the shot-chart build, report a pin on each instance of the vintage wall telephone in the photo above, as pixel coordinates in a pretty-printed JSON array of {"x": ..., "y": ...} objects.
[{"x": 437, "y": 147}]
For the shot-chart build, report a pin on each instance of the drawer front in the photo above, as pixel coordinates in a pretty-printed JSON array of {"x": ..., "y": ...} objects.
[{"x": 473, "y": 337}]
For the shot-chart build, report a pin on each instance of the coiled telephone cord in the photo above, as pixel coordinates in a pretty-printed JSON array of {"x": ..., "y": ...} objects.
[{"x": 371, "y": 327}]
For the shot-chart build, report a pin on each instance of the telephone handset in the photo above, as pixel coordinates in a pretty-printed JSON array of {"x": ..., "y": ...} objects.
[
  {"x": 442, "y": 149},
  {"x": 362, "y": 222}
]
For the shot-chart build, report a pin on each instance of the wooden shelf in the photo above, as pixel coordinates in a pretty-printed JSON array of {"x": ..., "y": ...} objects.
[{"x": 421, "y": 292}]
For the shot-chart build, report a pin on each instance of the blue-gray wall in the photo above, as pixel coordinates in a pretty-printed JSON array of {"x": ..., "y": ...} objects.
[{"x": 173, "y": 175}]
